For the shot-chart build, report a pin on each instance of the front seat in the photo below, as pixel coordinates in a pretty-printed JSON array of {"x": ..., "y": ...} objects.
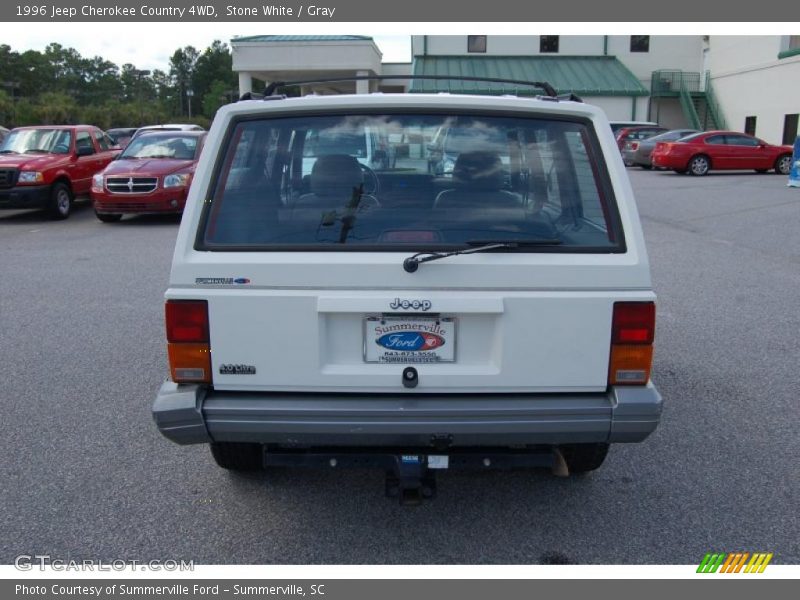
[
  {"x": 333, "y": 178},
  {"x": 478, "y": 180}
]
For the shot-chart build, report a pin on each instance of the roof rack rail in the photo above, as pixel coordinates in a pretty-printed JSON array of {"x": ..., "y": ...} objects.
[{"x": 543, "y": 85}]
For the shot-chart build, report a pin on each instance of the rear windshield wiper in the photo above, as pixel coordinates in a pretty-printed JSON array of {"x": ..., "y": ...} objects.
[{"x": 412, "y": 263}]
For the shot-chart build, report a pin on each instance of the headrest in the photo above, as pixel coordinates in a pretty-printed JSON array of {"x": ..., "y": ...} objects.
[
  {"x": 478, "y": 170},
  {"x": 335, "y": 174}
]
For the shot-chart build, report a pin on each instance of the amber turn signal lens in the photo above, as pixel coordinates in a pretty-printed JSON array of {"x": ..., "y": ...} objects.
[
  {"x": 189, "y": 363},
  {"x": 630, "y": 365}
]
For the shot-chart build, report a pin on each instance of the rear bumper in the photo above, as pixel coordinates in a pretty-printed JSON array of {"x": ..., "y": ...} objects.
[
  {"x": 25, "y": 196},
  {"x": 641, "y": 158},
  {"x": 192, "y": 414},
  {"x": 628, "y": 156},
  {"x": 668, "y": 162}
]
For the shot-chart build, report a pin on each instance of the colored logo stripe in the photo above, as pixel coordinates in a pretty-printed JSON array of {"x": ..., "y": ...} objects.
[{"x": 734, "y": 562}]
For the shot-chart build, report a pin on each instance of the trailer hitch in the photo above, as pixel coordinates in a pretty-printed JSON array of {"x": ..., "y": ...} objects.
[{"x": 411, "y": 481}]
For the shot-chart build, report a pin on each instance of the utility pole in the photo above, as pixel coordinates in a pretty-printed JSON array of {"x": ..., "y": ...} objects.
[{"x": 189, "y": 94}]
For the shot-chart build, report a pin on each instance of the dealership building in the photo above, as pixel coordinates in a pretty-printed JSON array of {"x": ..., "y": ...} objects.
[{"x": 746, "y": 83}]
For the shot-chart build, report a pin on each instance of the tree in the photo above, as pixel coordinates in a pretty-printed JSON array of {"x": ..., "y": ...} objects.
[
  {"x": 214, "y": 66},
  {"x": 6, "y": 108},
  {"x": 217, "y": 96},
  {"x": 58, "y": 85},
  {"x": 181, "y": 71},
  {"x": 102, "y": 82},
  {"x": 56, "y": 108}
]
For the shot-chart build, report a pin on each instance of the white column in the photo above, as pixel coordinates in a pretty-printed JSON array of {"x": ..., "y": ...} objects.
[
  {"x": 245, "y": 82},
  {"x": 362, "y": 87}
]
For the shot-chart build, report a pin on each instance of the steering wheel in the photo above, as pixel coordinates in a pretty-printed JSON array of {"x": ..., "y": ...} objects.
[{"x": 376, "y": 184}]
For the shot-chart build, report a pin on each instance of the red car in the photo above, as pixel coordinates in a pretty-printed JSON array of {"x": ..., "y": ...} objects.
[
  {"x": 702, "y": 152},
  {"x": 152, "y": 175},
  {"x": 48, "y": 166}
]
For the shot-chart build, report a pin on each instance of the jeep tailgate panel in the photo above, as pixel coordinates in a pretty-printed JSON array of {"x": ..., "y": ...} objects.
[{"x": 306, "y": 340}]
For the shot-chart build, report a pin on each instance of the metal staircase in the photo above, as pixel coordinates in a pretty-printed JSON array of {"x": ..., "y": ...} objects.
[{"x": 698, "y": 102}]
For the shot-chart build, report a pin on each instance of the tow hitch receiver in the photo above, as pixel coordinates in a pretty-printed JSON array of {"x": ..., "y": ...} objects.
[
  {"x": 411, "y": 480},
  {"x": 411, "y": 474}
]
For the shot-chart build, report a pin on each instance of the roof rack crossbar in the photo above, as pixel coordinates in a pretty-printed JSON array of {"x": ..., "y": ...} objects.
[{"x": 543, "y": 85}]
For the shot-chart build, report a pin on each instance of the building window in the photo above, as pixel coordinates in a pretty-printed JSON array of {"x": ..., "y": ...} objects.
[
  {"x": 640, "y": 43},
  {"x": 750, "y": 125},
  {"x": 548, "y": 43},
  {"x": 794, "y": 42},
  {"x": 476, "y": 43},
  {"x": 790, "y": 129}
]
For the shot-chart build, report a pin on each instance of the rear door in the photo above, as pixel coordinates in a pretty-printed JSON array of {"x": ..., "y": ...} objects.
[
  {"x": 312, "y": 293},
  {"x": 721, "y": 154},
  {"x": 104, "y": 146}
]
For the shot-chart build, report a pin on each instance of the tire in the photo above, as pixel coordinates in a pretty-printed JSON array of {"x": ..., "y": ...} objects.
[
  {"x": 783, "y": 165},
  {"x": 238, "y": 456},
  {"x": 60, "y": 201},
  {"x": 582, "y": 458},
  {"x": 108, "y": 217},
  {"x": 699, "y": 165}
]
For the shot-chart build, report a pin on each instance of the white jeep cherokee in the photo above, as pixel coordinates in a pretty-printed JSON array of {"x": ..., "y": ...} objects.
[{"x": 501, "y": 315}]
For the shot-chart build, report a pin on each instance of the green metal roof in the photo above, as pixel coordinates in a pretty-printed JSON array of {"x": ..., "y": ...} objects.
[
  {"x": 582, "y": 75},
  {"x": 302, "y": 38}
]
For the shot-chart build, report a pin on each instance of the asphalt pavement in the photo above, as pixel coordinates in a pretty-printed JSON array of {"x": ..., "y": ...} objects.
[{"x": 85, "y": 473}]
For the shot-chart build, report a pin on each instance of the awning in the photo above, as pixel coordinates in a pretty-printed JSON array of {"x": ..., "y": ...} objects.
[{"x": 581, "y": 75}]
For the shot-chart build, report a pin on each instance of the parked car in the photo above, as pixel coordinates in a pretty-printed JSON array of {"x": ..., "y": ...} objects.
[
  {"x": 449, "y": 142},
  {"x": 152, "y": 175},
  {"x": 627, "y": 135},
  {"x": 121, "y": 135},
  {"x": 48, "y": 166},
  {"x": 637, "y": 152},
  {"x": 370, "y": 147},
  {"x": 702, "y": 152},
  {"x": 428, "y": 323},
  {"x": 167, "y": 127},
  {"x": 617, "y": 125}
]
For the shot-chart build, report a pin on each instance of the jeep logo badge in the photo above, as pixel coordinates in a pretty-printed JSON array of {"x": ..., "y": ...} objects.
[{"x": 398, "y": 304}]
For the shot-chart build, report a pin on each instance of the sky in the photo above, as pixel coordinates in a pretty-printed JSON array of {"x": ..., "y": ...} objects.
[{"x": 149, "y": 46}]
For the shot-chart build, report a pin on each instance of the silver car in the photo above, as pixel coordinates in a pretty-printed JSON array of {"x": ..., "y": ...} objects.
[{"x": 637, "y": 152}]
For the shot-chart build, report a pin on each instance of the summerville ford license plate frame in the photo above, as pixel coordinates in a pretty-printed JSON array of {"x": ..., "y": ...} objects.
[{"x": 409, "y": 339}]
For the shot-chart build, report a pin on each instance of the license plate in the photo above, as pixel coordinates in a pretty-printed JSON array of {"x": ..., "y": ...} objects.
[{"x": 409, "y": 340}]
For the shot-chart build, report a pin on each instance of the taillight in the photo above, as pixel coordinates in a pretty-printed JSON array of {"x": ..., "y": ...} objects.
[
  {"x": 634, "y": 145},
  {"x": 188, "y": 341},
  {"x": 632, "y": 332}
]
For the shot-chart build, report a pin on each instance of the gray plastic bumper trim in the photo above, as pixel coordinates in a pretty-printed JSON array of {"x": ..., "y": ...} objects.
[{"x": 189, "y": 414}]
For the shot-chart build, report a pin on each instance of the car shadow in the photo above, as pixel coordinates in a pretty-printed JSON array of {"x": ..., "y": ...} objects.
[
  {"x": 149, "y": 220},
  {"x": 26, "y": 216}
]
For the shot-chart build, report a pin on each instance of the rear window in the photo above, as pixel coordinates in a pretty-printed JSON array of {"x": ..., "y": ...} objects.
[{"x": 408, "y": 181}]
